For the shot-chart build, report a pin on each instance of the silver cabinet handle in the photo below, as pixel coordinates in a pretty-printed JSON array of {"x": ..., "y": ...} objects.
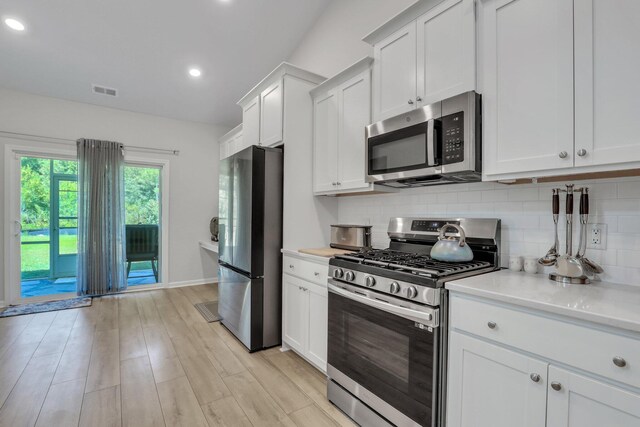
[
  {"x": 535, "y": 377},
  {"x": 410, "y": 102},
  {"x": 491, "y": 325},
  {"x": 291, "y": 266},
  {"x": 582, "y": 152},
  {"x": 556, "y": 386},
  {"x": 563, "y": 155},
  {"x": 619, "y": 362},
  {"x": 315, "y": 273},
  {"x": 419, "y": 99}
]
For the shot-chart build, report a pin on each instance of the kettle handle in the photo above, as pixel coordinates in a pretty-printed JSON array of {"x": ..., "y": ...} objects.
[{"x": 457, "y": 227}]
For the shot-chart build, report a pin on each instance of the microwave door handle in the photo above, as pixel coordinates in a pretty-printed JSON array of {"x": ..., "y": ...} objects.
[
  {"x": 428, "y": 317},
  {"x": 431, "y": 140}
]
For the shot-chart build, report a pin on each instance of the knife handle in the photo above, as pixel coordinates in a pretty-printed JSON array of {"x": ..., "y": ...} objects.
[
  {"x": 584, "y": 202},
  {"x": 555, "y": 202},
  {"x": 569, "y": 202}
]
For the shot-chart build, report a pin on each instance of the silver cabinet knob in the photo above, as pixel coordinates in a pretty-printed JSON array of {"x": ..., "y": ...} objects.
[
  {"x": 394, "y": 288},
  {"x": 419, "y": 99},
  {"x": 491, "y": 325},
  {"x": 291, "y": 266},
  {"x": 556, "y": 386},
  {"x": 619, "y": 362},
  {"x": 338, "y": 183},
  {"x": 563, "y": 154},
  {"x": 370, "y": 282},
  {"x": 315, "y": 273},
  {"x": 410, "y": 102},
  {"x": 535, "y": 377},
  {"x": 337, "y": 273},
  {"x": 582, "y": 152}
]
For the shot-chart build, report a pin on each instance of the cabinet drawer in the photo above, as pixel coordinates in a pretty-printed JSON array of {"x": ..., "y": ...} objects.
[
  {"x": 306, "y": 270},
  {"x": 583, "y": 347}
]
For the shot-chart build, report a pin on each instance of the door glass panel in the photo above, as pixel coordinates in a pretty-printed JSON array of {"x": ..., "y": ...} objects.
[{"x": 142, "y": 218}]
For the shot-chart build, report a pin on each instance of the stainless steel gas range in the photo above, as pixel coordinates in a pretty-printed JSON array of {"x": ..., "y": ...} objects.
[{"x": 388, "y": 322}]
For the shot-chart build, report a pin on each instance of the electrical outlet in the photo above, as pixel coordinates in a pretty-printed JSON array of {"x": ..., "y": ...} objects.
[{"x": 597, "y": 236}]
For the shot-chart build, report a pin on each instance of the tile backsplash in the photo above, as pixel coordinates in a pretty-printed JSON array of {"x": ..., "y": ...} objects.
[{"x": 525, "y": 211}]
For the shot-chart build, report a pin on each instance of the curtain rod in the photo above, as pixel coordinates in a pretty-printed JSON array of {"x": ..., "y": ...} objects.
[{"x": 65, "y": 141}]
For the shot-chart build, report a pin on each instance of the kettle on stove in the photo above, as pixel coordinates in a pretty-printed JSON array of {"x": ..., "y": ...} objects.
[{"x": 452, "y": 248}]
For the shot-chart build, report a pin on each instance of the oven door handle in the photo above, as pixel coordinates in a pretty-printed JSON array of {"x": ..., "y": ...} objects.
[{"x": 429, "y": 317}]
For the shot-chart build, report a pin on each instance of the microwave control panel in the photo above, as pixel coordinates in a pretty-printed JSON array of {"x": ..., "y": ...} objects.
[{"x": 453, "y": 138}]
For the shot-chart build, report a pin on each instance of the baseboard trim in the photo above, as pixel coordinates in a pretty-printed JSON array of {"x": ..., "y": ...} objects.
[{"x": 205, "y": 281}]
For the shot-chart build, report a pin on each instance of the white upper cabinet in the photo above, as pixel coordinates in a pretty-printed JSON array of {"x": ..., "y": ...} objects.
[
  {"x": 325, "y": 142},
  {"x": 271, "y": 108},
  {"x": 251, "y": 121},
  {"x": 264, "y": 106},
  {"x": 424, "y": 54},
  {"x": 446, "y": 48},
  {"x": 231, "y": 142},
  {"x": 578, "y": 401},
  {"x": 394, "y": 73},
  {"x": 341, "y": 112},
  {"x": 607, "y": 60},
  {"x": 527, "y": 85}
]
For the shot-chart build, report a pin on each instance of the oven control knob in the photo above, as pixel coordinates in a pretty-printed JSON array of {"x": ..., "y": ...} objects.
[
  {"x": 337, "y": 273},
  {"x": 349, "y": 276},
  {"x": 412, "y": 292},
  {"x": 394, "y": 288},
  {"x": 370, "y": 282}
]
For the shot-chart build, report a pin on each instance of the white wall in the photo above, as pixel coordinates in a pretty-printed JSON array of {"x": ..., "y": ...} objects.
[
  {"x": 335, "y": 40},
  {"x": 525, "y": 210},
  {"x": 194, "y": 173}
]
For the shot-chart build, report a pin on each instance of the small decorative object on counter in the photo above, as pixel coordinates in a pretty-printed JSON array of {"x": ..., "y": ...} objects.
[
  {"x": 571, "y": 268},
  {"x": 451, "y": 249},
  {"x": 213, "y": 228},
  {"x": 516, "y": 263},
  {"x": 531, "y": 265}
]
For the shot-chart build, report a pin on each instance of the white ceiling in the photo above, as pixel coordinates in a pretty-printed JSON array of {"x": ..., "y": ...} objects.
[{"x": 144, "y": 49}]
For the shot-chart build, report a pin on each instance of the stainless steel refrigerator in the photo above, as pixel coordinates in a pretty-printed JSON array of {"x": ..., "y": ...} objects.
[{"x": 249, "y": 259}]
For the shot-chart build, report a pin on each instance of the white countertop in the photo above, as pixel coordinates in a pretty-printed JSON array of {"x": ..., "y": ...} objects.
[
  {"x": 209, "y": 245},
  {"x": 605, "y": 303},
  {"x": 315, "y": 258}
]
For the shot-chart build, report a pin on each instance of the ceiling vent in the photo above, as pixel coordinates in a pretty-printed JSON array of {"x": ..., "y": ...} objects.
[{"x": 102, "y": 90}]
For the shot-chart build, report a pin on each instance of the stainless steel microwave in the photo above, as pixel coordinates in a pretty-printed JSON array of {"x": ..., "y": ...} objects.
[{"x": 440, "y": 143}]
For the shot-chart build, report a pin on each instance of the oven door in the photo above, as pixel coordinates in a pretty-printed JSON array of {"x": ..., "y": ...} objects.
[{"x": 383, "y": 354}]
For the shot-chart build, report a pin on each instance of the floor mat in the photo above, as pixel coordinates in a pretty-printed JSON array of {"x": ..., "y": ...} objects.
[
  {"x": 41, "y": 307},
  {"x": 209, "y": 310}
]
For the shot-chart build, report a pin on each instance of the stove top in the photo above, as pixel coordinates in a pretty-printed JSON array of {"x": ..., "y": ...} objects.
[
  {"x": 413, "y": 263},
  {"x": 406, "y": 271}
]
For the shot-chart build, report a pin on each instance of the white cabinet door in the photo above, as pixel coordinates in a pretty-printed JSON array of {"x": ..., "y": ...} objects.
[
  {"x": 318, "y": 326},
  {"x": 394, "y": 73},
  {"x": 607, "y": 85},
  {"x": 446, "y": 49},
  {"x": 527, "y": 57},
  {"x": 251, "y": 122},
  {"x": 239, "y": 142},
  {"x": 271, "y": 114},
  {"x": 585, "y": 402},
  {"x": 354, "y": 114},
  {"x": 490, "y": 386},
  {"x": 325, "y": 142},
  {"x": 224, "y": 149},
  {"x": 294, "y": 313}
]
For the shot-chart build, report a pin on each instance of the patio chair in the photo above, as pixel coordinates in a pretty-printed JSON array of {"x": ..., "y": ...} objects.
[{"x": 142, "y": 245}]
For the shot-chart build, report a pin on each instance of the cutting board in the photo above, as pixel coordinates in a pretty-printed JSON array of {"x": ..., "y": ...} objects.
[{"x": 324, "y": 252}]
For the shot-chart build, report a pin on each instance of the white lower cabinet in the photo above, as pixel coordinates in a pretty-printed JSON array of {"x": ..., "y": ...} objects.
[
  {"x": 579, "y": 401},
  {"x": 498, "y": 378},
  {"x": 494, "y": 387},
  {"x": 304, "y": 310}
]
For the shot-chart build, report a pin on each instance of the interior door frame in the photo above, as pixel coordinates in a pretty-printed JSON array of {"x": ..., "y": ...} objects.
[{"x": 35, "y": 147}]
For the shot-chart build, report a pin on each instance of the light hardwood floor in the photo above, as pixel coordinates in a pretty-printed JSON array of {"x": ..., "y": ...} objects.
[{"x": 149, "y": 359}]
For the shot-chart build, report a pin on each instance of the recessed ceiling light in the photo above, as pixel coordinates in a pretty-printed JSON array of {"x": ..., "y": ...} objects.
[
  {"x": 195, "y": 72},
  {"x": 14, "y": 24}
]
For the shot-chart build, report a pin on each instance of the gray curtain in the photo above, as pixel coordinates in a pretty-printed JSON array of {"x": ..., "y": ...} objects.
[{"x": 101, "y": 223}]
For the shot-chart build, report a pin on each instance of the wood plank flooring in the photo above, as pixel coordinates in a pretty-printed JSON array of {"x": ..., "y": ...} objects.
[{"x": 149, "y": 359}]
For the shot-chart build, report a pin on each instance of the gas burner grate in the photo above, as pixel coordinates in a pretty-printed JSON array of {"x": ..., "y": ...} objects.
[{"x": 412, "y": 262}]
